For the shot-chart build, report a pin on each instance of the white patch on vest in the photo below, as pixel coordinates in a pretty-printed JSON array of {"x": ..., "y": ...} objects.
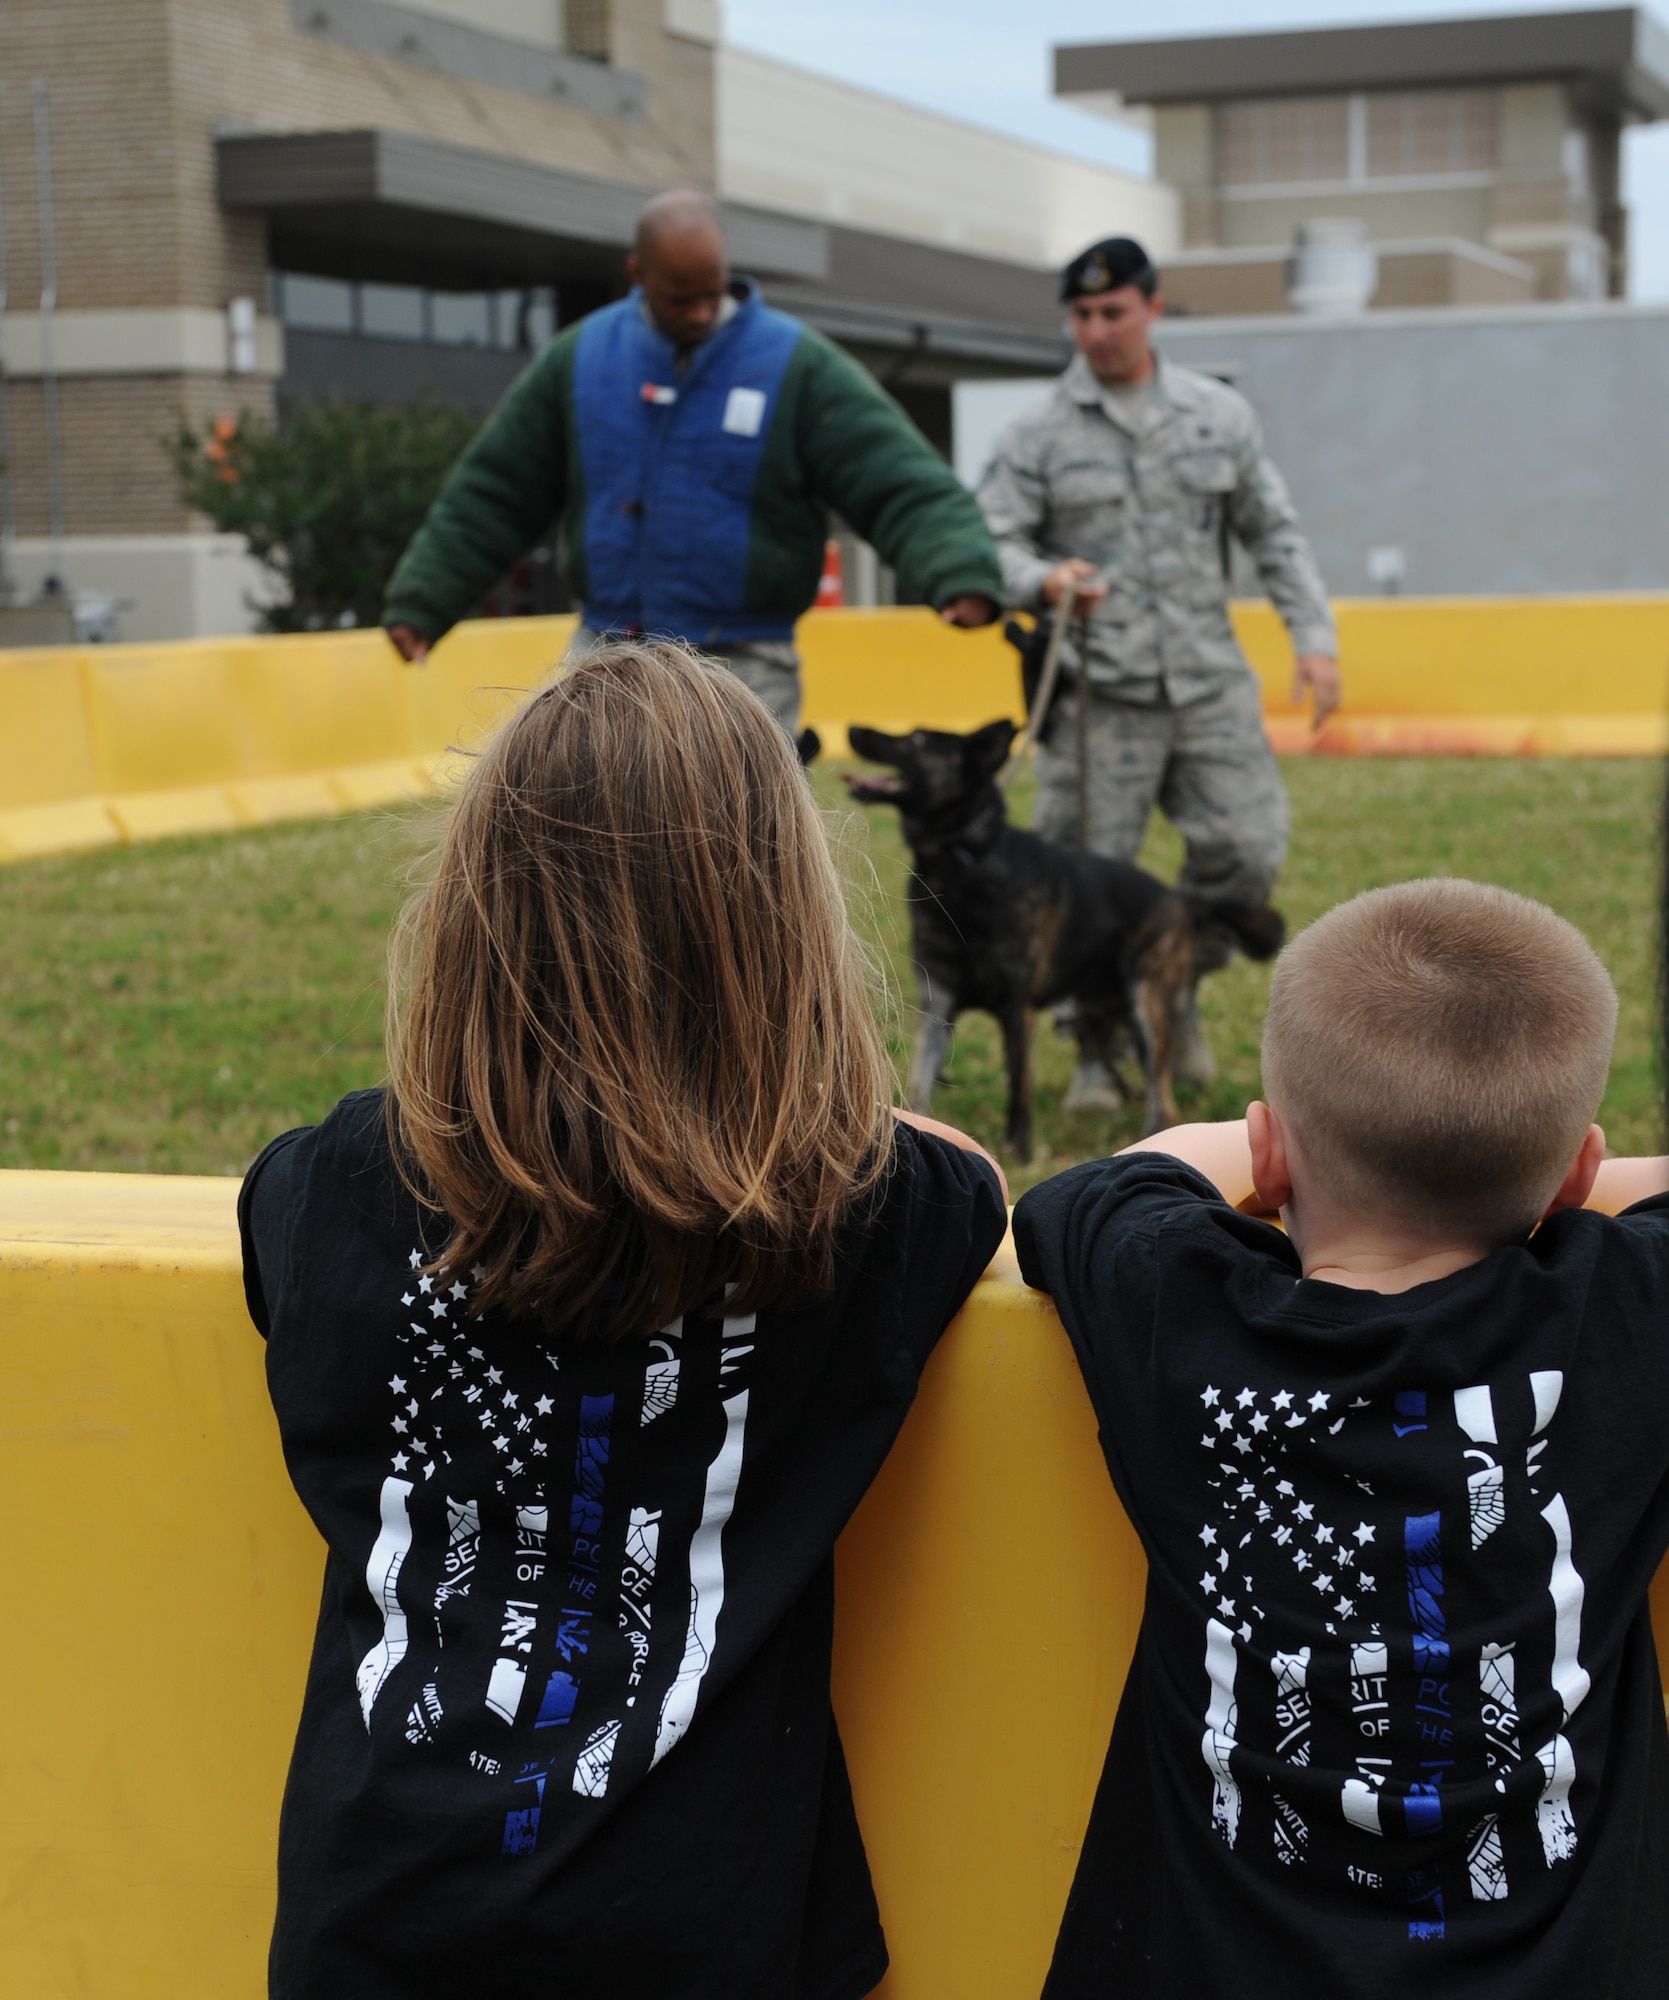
[{"x": 744, "y": 412}]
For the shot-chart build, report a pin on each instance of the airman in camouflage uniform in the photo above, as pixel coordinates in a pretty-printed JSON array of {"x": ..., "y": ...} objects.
[{"x": 1128, "y": 482}]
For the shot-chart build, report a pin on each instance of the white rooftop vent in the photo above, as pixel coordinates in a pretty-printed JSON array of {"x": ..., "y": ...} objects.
[{"x": 1332, "y": 268}]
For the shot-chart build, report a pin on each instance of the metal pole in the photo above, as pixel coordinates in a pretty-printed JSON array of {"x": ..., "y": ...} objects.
[
  {"x": 8, "y": 516},
  {"x": 49, "y": 305}
]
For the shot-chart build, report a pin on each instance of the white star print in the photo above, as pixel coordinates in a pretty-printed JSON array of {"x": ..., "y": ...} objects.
[
  {"x": 1345, "y": 1606},
  {"x": 515, "y": 1465},
  {"x": 408, "y": 1298},
  {"x": 501, "y": 1444},
  {"x": 400, "y": 1461},
  {"x": 1222, "y": 1558},
  {"x": 479, "y": 1273},
  {"x": 1285, "y": 1487},
  {"x": 1246, "y": 1398},
  {"x": 1282, "y": 1399},
  {"x": 1323, "y": 1583},
  {"x": 1323, "y": 1533},
  {"x": 400, "y": 1423},
  {"x": 1301, "y": 1560},
  {"x": 1208, "y": 1583},
  {"x": 1303, "y": 1510},
  {"x": 1224, "y": 1420},
  {"x": 544, "y": 1406},
  {"x": 1363, "y": 1532},
  {"x": 1319, "y": 1401},
  {"x": 396, "y": 1384},
  {"x": 438, "y": 1309},
  {"x": 1242, "y": 1444},
  {"x": 425, "y": 1285},
  {"x": 457, "y": 1291},
  {"x": 416, "y": 1259},
  {"x": 1209, "y": 1397},
  {"x": 509, "y": 1399},
  {"x": 1226, "y": 1606},
  {"x": 1208, "y": 1535},
  {"x": 494, "y": 1375}
]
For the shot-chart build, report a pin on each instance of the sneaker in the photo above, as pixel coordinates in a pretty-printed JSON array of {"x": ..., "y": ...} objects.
[{"x": 1093, "y": 1088}]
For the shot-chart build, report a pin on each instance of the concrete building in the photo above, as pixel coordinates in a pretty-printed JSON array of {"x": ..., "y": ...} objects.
[
  {"x": 1473, "y": 161},
  {"x": 257, "y": 199}
]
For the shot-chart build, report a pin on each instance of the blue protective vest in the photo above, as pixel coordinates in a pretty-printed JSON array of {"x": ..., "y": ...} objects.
[{"x": 670, "y": 468}]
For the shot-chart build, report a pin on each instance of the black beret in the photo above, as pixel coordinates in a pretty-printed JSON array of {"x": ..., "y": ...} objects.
[{"x": 1105, "y": 266}]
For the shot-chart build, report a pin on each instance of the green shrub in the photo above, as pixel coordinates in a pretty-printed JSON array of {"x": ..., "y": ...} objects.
[{"x": 326, "y": 500}]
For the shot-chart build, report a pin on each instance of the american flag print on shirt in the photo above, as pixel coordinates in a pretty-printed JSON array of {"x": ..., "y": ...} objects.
[
  {"x": 540, "y": 1616},
  {"x": 1345, "y": 1540}
]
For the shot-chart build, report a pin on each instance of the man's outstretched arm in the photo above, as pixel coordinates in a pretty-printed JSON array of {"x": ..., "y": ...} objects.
[{"x": 504, "y": 491}]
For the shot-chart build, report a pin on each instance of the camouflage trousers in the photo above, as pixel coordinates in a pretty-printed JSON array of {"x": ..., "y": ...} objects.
[
  {"x": 769, "y": 667},
  {"x": 1208, "y": 767}
]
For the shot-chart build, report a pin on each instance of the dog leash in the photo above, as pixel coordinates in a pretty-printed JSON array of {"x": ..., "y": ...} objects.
[{"x": 1028, "y": 736}]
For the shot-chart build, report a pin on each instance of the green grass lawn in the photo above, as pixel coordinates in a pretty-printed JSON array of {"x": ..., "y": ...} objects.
[{"x": 168, "y": 1008}]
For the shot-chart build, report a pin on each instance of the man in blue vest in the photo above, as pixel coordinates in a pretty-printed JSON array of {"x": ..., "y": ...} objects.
[{"x": 693, "y": 441}]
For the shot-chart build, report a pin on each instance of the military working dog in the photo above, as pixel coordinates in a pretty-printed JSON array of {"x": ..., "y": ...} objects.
[{"x": 1007, "y": 922}]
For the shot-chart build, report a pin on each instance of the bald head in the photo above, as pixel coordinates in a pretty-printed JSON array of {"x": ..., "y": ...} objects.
[
  {"x": 682, "y": 213},
  {"x": 679, "y": 264}
]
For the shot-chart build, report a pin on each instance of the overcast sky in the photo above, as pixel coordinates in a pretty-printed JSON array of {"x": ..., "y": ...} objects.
[{"x": 988, "y": 60}]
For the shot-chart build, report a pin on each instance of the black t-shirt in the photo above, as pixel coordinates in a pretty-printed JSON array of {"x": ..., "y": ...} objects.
[
  {"x": 567, "y": 1727},
  {"x": 1394, "y": 1722}
]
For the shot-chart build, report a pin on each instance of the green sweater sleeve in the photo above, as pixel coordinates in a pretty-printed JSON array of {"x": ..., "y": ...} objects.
[
  {"x": 865, "y": 458},
  {"x": 502, "y": 494}
]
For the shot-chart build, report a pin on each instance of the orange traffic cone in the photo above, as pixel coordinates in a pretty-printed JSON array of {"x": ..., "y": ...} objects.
[{"x": 831, "y": 587}]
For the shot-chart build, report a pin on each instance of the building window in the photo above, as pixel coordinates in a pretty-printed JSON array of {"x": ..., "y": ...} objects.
[
  {"x": 1352, "y": 141},
  {"x": 515, "y": 319},
  {"x": 320, "y": 305},
  {"x": 1273, "y": 139},
  {"x": 1416, "y": 132},
  {"x": 391, "y": 312}
]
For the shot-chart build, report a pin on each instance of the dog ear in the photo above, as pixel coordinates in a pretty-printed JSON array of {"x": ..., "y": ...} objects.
[
  {"x": 986, "y": 750},
  {"x": 870, "y": 744}
]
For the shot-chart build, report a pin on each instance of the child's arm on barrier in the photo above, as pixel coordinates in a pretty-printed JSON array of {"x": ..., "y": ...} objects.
[
  {"x": 1221, "y": 1152},
  {"x": 1619, "y": 1184},
  {"x": 956, "y": 1138}
]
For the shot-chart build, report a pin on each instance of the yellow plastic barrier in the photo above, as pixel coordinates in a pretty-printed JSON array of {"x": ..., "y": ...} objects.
[
  {"x": 162, "y": 1583},
  {"x": 116, "y": 743}
]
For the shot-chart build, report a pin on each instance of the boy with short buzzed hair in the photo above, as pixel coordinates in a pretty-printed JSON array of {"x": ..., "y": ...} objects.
[{"x": 1394, "y": 1720}]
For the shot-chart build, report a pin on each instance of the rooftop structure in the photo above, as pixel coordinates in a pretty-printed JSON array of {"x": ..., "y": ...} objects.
[{"x": 1479, "y": 157}]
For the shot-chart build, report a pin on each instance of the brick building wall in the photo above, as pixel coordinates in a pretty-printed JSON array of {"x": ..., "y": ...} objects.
[{"x": 139, "y": 90}]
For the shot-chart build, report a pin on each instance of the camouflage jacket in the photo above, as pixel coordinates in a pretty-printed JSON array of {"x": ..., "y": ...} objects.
[{"x": 1153, "y": 511}]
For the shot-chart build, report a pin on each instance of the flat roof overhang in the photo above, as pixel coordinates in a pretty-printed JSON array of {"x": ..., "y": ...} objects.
[
  {"x": 1615, "y": 58},
  {"x": 412, "y": 209},
  {"x": 403, "y": 209}
]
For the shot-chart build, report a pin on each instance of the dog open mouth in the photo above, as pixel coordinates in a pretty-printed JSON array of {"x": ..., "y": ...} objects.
[{"x": 879, "y": 787}]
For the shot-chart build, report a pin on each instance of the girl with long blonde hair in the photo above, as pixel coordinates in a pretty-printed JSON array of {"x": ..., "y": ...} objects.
[{"x": 585, "y": 1338}]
